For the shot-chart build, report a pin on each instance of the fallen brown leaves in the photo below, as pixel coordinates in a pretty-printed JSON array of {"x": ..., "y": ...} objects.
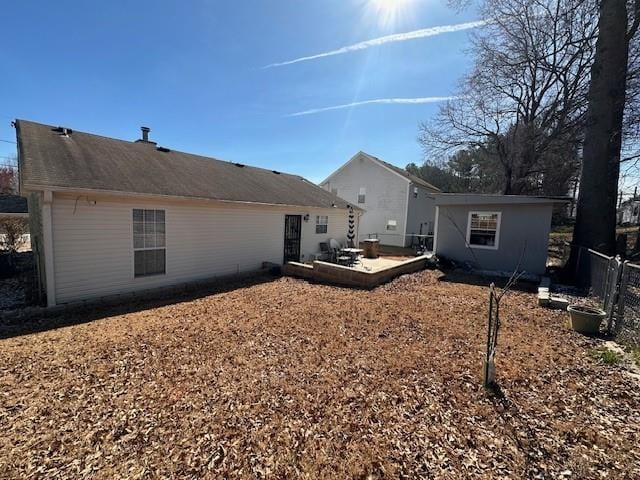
[{"x": 289, "y": 379}]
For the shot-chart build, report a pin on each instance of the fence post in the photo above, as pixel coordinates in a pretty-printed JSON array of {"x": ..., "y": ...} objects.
[
  {"x": 620, "y": 303},
  {"x": 613, "y": 291},
  {"x": 489, "y": 366}
]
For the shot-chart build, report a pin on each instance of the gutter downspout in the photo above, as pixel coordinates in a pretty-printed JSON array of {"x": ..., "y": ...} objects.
[
  {"x": 406, "y": 216},
  {"x": 435, "y": 230}
]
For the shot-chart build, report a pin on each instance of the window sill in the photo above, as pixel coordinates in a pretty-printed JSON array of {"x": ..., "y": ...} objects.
[
  {"x": 135, "y": 277},
  {"x": 482, "y": 247}
]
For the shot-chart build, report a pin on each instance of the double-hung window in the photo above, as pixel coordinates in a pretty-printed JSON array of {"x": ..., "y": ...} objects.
[
  {"x": 483, "y": 230},
  {"x": 362, "y": 193},
  {"x": 149, "y": 250},
  {"x": 322, "y": 223}
]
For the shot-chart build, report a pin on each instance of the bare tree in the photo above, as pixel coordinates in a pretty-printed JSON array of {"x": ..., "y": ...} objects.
[
  {"x": 596, "y": 208},
  {"x": 8, "y": 179},
  {"x": 526, "y": 95},
  {"x": 12, "y": 234}
]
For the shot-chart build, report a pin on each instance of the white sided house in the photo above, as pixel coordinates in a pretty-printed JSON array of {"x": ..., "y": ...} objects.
[
  {"x": 397, "y": 205},
  {"x": 111, "y": 216}
]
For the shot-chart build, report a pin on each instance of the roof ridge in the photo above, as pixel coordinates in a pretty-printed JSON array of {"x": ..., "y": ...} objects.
[
  {"x": 91, "y": 161},
  {"x": 133, "y": 142},
  {"x": 402, "y": 171}
]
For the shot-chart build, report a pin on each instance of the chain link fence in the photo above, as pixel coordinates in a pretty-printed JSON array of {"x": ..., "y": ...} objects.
[
  {"x": 615, "y": 284},
  {"x": 626, "y": 321}
]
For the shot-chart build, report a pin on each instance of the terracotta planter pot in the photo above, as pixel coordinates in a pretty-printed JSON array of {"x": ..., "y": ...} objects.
[{"x": 585, "y": 319}]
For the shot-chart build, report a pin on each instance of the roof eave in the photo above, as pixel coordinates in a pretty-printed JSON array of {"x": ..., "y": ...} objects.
[{"x": 83, "y": 191}]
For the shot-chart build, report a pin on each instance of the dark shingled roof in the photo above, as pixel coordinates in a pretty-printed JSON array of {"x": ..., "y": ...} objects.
[
  {"x": 12, "y": 203},
  {"x": 49, "y": 159}
]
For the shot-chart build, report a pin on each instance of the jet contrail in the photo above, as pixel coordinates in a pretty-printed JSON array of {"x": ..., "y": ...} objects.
[
  {"x": 403, "y": 101},
  {"x": 397, "y": 37}
]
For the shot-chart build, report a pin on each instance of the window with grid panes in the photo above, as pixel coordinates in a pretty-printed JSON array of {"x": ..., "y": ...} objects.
[{"x": 149, "y": 250}]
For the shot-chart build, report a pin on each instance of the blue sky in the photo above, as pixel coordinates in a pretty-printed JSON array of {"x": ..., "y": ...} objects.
[{"x": 194, "y": 72}]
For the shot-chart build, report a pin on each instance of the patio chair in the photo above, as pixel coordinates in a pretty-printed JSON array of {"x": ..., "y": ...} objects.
[
  {"x": 326, "y": 254},
  {"x": 335, "y": 248}
]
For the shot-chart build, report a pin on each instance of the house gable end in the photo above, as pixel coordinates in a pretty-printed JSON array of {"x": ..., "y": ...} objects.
[{"x": 370, "y": 159}]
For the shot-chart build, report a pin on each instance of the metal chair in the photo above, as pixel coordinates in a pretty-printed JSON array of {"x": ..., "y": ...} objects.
[{"x": 326, "y": 254}]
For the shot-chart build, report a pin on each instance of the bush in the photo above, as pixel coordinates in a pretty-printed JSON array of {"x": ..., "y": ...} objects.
[{"x": 12, "y": 232}]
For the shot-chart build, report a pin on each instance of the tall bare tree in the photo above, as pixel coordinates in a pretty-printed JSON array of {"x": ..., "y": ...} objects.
[
  {"x": 596, "y": 209},
  {"x": 526, "y": 95},
  {"x": 8, "y": 179}
]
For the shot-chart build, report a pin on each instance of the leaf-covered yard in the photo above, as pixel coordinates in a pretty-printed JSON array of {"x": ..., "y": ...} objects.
[{"x": 288, "y": 379}]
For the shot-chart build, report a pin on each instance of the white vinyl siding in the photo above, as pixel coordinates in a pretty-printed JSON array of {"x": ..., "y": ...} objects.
[
  {"x": 93, "y": 254},
  {"x": 385, "y": 196}
]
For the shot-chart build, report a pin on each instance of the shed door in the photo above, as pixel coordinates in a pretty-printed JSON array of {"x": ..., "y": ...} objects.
[{"x": 292, "y": 235}]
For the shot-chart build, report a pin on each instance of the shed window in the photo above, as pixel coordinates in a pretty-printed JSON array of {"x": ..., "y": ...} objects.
[
  {"x": 483, "y": 230},
  {"x": 362, "y": 195},
  {"x": 392, "y": 225},
  {"x": 322, "y": 222},
  {"x": 334, "y": 191},
  {"x": 149, "y": 250}
]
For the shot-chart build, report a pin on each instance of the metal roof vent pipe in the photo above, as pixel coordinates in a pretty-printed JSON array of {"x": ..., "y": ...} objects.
[{"x": 145, "y": 136}]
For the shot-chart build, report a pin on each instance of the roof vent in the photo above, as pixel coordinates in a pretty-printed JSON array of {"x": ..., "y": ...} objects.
[
  {"x": 63, "y": 131},
  {"x": 163, "y": 149},
  {"x": 145, "y": 136},
  {"x": 241, "y": 165}
]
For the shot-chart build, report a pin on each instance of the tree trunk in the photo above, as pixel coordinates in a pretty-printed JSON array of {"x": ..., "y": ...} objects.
[{"x": 596, "y": 208}]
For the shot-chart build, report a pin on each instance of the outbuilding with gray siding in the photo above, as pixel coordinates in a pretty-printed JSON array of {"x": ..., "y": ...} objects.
[{"x": 497, "y": 233}]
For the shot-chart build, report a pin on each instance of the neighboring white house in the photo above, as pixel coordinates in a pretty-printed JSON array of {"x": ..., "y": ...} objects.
[
  {"x": 110, "y": 216},
  {"x": 397, "y": 205},
  {"x": 629, "y": 212}
]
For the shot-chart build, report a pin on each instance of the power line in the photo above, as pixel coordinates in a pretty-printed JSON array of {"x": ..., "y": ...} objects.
[{"x": 7, "y": 141}]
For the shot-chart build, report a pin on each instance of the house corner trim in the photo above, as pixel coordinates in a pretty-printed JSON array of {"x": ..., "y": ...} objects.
[{"x": 47, "y": 239}]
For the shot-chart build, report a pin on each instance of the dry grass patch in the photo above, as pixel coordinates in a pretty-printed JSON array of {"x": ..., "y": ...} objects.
[{"x": 290, "y": 379}]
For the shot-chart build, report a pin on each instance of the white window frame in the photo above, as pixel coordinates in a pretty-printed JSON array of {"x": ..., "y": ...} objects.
[
  {"x": 362, "y": 193},
  {"x": 135, "y": 249},
  {"x": 319, "y": 222},
  {"x": 498, "y": 228},
  {"x": 394, "y": 225}
]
